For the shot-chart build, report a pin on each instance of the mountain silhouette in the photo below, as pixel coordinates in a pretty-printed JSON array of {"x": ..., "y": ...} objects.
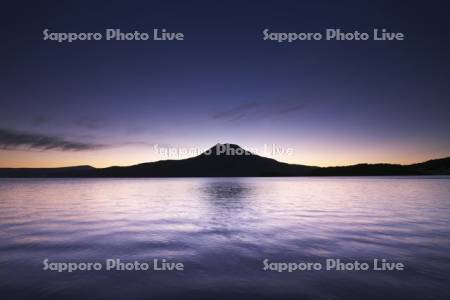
[{"x": 230, "y": 160}]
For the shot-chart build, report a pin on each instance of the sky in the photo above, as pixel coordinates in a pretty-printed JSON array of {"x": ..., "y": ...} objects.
[{"x": 325, "y": 103}]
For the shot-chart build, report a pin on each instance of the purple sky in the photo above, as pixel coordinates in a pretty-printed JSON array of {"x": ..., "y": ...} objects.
[{"x": 110, "y": 102}]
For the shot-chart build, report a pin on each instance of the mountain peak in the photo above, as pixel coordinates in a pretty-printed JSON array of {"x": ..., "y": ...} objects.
[{"x": 226, "y": 149}]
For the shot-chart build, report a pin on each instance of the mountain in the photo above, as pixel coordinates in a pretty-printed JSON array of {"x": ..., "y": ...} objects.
[
  {"x": 44, "y": 172},
  {"x": 230, "y": 160},
  {"x": 211, "y": 163}
]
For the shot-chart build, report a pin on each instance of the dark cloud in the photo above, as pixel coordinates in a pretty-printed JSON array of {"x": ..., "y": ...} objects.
[
  {"x": 10, "y": 139},
  {"x": 236, "y": 112},
  {"x": 85, "y": 122},
  {"x": 40, "y": 120},
  {"x": 90, "y": 123},
  {"x": 259, "y": 110},
  {"x": 289, "y": 109},
  {"x": 285, "y": 111}
]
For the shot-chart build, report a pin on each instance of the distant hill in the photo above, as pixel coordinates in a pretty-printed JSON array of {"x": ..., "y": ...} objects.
[
  {"x": 235, "y": 162},
  {"x": 44, "y": 172}
]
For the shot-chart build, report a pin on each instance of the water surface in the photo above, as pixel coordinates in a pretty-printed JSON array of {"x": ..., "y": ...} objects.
[{"x": 222, "y": 229}]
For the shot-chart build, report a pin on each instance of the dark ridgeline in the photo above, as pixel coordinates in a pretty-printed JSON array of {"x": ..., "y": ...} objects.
[{"x": 234, "y": 162}]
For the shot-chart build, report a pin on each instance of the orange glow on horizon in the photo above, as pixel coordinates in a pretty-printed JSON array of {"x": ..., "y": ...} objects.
[{"x": 131, "y": 156}]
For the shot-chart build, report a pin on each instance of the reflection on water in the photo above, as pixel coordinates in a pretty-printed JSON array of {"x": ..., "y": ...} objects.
[
  {"x": 228, "y": 197},
  {"x": 222, "y": 229}
]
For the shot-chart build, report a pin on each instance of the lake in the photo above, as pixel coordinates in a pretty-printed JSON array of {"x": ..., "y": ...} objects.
[{"x": 221, "y": 230}]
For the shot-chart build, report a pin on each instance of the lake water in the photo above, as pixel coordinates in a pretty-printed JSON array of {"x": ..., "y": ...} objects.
[{"x": 222, "y": 229}]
